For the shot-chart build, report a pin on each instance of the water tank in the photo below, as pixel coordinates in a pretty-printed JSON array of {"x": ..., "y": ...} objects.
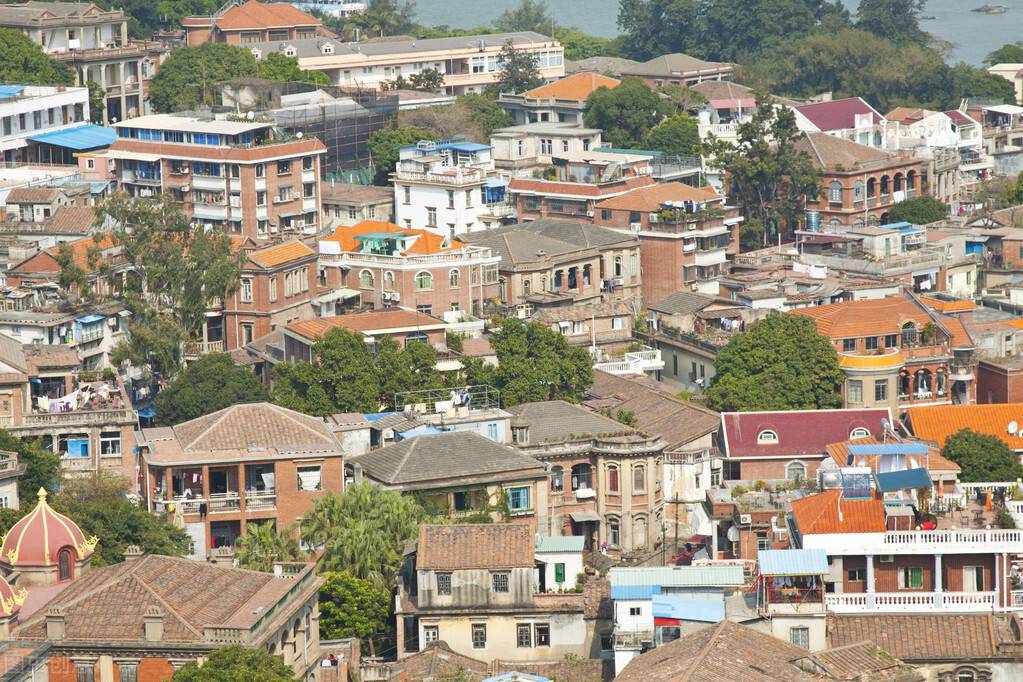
[{"x": 813, "y": 221}]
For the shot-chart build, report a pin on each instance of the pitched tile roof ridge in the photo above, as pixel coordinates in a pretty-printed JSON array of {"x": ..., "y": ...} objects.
[
  {"x": 711, "y": 644},
  {"x": 133, "y": 573},
  {"x": 290, "y": 415},
  {"x": 223, "y": 415}
]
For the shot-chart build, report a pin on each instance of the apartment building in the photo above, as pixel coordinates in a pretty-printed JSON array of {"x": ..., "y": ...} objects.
[
  {"x": 248, "y": 22},
  {"x": 381, "y": 264},
  {"x": 859, "y": 183},
  {"x": 449, "y": 187},
  {"x": 563, "y": 101},
  {"x": 685, "y": 235},
  {"x": 523, "y": 149},
  {"x": 249, "y": 463},
  {"x": 237, "y": 174},
  {"x": 346, "y": 204},
  {"x": 896, "y": 352},
  {"x": 30, "y": 111},
  {"x": 562, "y": 262},
  {"x": 94, "y": 43},
  {"x": 579, "y": 183},
  {"x": 475, "y": 588},
  {"x": 468, "y": 63}
]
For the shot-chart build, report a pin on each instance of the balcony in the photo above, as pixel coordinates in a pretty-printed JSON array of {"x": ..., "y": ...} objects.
[
  {"x": 79, "y": 417},
  {"x": 638, "y": 362},
  {"x": 958, "y": 541},
  {"x": 197, "y": 348},
  {"x": 910, "y": 602},
  {"x": 459, "y": 176},
  {"x": 76, "y": 463},
  {"x": 211, "y": 182},
  {"x": 220, "y": 503},
  {"x": 261, "y": 500},
  {"x": 871, "y": 361}
]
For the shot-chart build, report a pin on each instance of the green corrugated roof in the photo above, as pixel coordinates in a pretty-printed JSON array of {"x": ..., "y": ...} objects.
[
  {"x": 678, "y": 576},
  {"x": 560, "y": 543}
]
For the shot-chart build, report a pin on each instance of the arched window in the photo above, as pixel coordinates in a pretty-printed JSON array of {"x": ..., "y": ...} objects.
[
  {"x": 858, "y": 432},
  {"x": 911, "y": 180},
  {"x": 908, "y": 334},
  {"x": 424, "y": 280},
  {"x": 525, "y": 287},
  {"x": 638, "y": 478},
  {"x": 795, "y": 471},
  {"x": 858, "y": 191},
  {"x": 454, "y": 278},
  {"x": 897, "y": 183},
  {"x": 871, "y": 187},
  {"x": 366, "y": 279},
  {"x": 835, "y": 192},
  {"x": 767, "y": 437},
  {"x": 557, "y": 479},
  {"x": 612, "y": 479},
  {"x": 639, "y": 532},
  {"x": 388, "y": 281},
  {"x": 614, "y": 532},
  {"x": 872, "y": 221},
  {"x": 885, "y": 185},
  {"x": 582, "y": 476},
  {"x": 65, "y": 565}
]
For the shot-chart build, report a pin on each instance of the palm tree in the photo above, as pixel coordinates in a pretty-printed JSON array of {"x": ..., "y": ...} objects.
[{"x": 262, "y": 545}]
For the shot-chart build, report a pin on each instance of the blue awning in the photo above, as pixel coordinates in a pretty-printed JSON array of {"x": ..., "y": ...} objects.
[
  {"x": 91, "y": 319},
  {"x": 792, "y": 561},
  {"x": 908, "y": 479},
  {"x": 146, "y": 412},
  {"x": 10, "y": 90},
  {"x": 80, "y": 139},
  {"x": 702, "y": 610},
  {"x": 889, "y": 449}
]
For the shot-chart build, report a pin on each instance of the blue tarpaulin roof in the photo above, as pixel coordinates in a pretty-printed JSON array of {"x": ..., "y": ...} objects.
[
  {"x": 464, "y": 146},
  {"x": 496, "y": 182},
  {"x": 889, "y": 449},
  {"x": 903, "y": 480},
  {"x": 89, "y": 319},
  {"x": 702, "y": 610},
  {"x": 635, "y": 591},
  {"x": 793, "y": 561},
  {"x": 146, "y": 412},
  {"x": 79, "y": 139},
  {"x": 10, "y": 90}
]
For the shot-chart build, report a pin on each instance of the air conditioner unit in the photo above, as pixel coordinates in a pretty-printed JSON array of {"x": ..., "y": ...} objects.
[
  {"x": 887, "y": 558},
  {"x": 636, "y": 227},
  {"x": 395, "y": 296},
  {"x": 186, "y": 188},
  {"x": 589, "y": 214},
  {"x": 745, "y": 519},
  {"x": 619, "y": 281}
]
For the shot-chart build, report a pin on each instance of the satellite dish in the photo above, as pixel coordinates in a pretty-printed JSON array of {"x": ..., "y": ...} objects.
[
  {"x": 250, "y": 115},
  {"x": 1013, "y": 427},
  {"x": 299, "y": 135}
]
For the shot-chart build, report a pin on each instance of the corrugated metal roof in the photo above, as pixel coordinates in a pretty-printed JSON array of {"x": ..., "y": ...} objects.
[
  {"x": 80, "y": 139},
  {"x": 793, "y": 561},
  {"x": 889, "y": 449},
  {"x": 702, "y": 610},
  {"x": 634, "y": 592},
  {"x": 903, "y": 480},
  {"x": 678, "y": 576},
  {"x": 560, "y": 543}
]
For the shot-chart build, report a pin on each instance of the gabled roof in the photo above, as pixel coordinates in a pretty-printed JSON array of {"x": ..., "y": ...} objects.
[
  {"x": 937, "y": 423},
  {"x": 523, "y": 243},
  {"x": 33, "y": 195},
  {"x": 675, "y": 64},
  {"x": 479, "y": 546},
  {"x": 578, "y": 86},
  {"x": 959, "y": 118},
  {"x": 253, "y": 15},
  {"x": 453, "y": 457},
  {"x": 650, "y": 199},
  {"x": 799, "y": 432},
  {"x": 45, "y": 262},
  {"x": 865, "y": 318},
  {"x": 727, "y": 651},
  {"x": 861, "y": 661},
  {"x": 838, "y": 114},
  {"x": 923, "y": 638},
  {"x": 830, "y": 512},
  {"x": 828, "y": 152},
  {"x": 280, "y": 254},
  {"x": 556, "y": 420},
  {"x": 723, "y": 90},
  {"x": 683, "y": 303},
  {"x": 437, "y": 661}
]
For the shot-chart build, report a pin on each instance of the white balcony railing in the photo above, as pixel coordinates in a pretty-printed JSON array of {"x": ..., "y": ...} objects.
[
  {"x": 639, "y": 362},
  {"x": 965, "y": 541},
  {"x": 261, "y": 500},
  {"x": 910, "y": 602}
]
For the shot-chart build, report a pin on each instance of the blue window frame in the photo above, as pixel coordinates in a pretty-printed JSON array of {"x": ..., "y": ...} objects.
[{"x": 518, "y": 499}]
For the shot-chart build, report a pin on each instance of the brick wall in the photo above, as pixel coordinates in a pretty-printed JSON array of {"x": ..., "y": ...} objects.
[
  {"x": 772, "y": 470},
  {"x": 264, "y": 314},
  {"x": 998, "y": 384}
]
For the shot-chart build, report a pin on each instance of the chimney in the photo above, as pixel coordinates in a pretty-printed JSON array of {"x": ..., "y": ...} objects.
[
  {"x": 55, "y": 624},
  {"x": 133, "y": 553},
  {"x": 154, "y": 624}
]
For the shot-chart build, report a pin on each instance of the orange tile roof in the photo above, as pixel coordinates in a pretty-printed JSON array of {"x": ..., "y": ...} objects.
[
  {"x": 46, "y": 261},
  {"x": 1015, "y": 324},
  {"x": 256, "y": 15},
  {"x": 840, "y": 453},
  {"x": 819, "y": 514},
  {"x": 938, "y": 422},
  {"x": 427, "y": 243},
  {"x": 948, "y": 306},
  {"x": 578, "y": 86},
  {"x": 648, "y": 199},
  {"x": 960, "y": 336},
  {"x": 280, "y": 254},
  {"x": 389, "y": 318},
  {"x": 864, "y": 318}
]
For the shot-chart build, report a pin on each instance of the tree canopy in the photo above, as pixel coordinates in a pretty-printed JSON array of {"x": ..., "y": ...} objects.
[
  {"x": 1006, "y": 54},
  {"x": 779, "y": 363},
  {"x": 919, "y": 211},
  {"x": 982, "y": 457},
  {"x": 279, "y": 67},
  {"x": 42, "y": 468},
  {"x": 188, "y": 76},
  {"x": 384, "y": 144},
  {"x": 894, "y": 20},
  {"x": 206, "y": 385},
  {"x": 352, "y": 607},
  {"x": 528, "y": 15},
  {"x": 678, "y": 135},
  {"x": 25, "y": 63},
  {"x": 236, "y": 663},
  {"x": 519, "y": 70},
  {"x": 626, "y": 114},
  {"x": 534, "y": 363}
]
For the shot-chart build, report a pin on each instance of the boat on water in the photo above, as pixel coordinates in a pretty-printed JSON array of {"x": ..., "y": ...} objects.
[
  {"x": 334, "y": 8},
  {"x": 991, "y": 9}
]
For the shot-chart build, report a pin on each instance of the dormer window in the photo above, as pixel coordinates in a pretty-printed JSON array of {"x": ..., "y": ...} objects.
[
  {"x": 328, "y": 48},
  {"x": 858, "y": 432},
  {"x": 289, "y": 51},
  {"x": 767, "y": 437}
]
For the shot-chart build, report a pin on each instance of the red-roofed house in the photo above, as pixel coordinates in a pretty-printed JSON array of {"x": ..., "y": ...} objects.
[
  {"x": 383, "y": 264},
  {"x": 238, "y": 23},
  {"x": 851, "y": 119},
  {"x": 563, "y": 101},
  {"x": 790, "y": 445}
]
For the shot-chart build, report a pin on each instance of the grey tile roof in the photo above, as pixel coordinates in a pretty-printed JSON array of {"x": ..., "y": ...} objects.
[
  {"x": 458, "y": 454},
  {"x": 682, "y": 303},
  {"x": 517, "y": 244},
  {"x": 555, "y": 421},
  {"x": 671, "y": 65},
  {"x": 612, "y": 65}
]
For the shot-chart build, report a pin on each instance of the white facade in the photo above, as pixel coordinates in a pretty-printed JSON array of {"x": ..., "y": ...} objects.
[
  {"x": 35, "y": 109},
  {"x": 572, "y": 566},
  {"x": 525, "y": 147}
]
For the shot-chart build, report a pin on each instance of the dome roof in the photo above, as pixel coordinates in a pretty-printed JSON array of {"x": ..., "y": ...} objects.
[
  {"x": 36, "y": 539},
  {"x": 11, "y": 599}
]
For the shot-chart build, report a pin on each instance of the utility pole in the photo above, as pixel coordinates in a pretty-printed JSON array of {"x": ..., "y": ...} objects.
[{"x": 675, "y": 501}]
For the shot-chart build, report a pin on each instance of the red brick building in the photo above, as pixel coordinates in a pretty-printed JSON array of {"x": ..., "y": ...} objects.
[
  {"x": 859, "y": 184},
  {"x": 383, "y": 265},
  {"x": 1000, "y": 380},
  {"x": 243, "y": 23},
  {"x": 249, "y": 463},
  {"x": 684, "y": 235},
  {"x": 239, "y": 175}
]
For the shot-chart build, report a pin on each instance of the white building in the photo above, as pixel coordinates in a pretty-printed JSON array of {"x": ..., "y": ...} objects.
[
  {"x": 29, "y": 110},
  {"x": 562, "y": 559},
  {"x": 522, "y": 148},
  {"x": 850, "y": 119},
  {"x": 447, "y": 187}
]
